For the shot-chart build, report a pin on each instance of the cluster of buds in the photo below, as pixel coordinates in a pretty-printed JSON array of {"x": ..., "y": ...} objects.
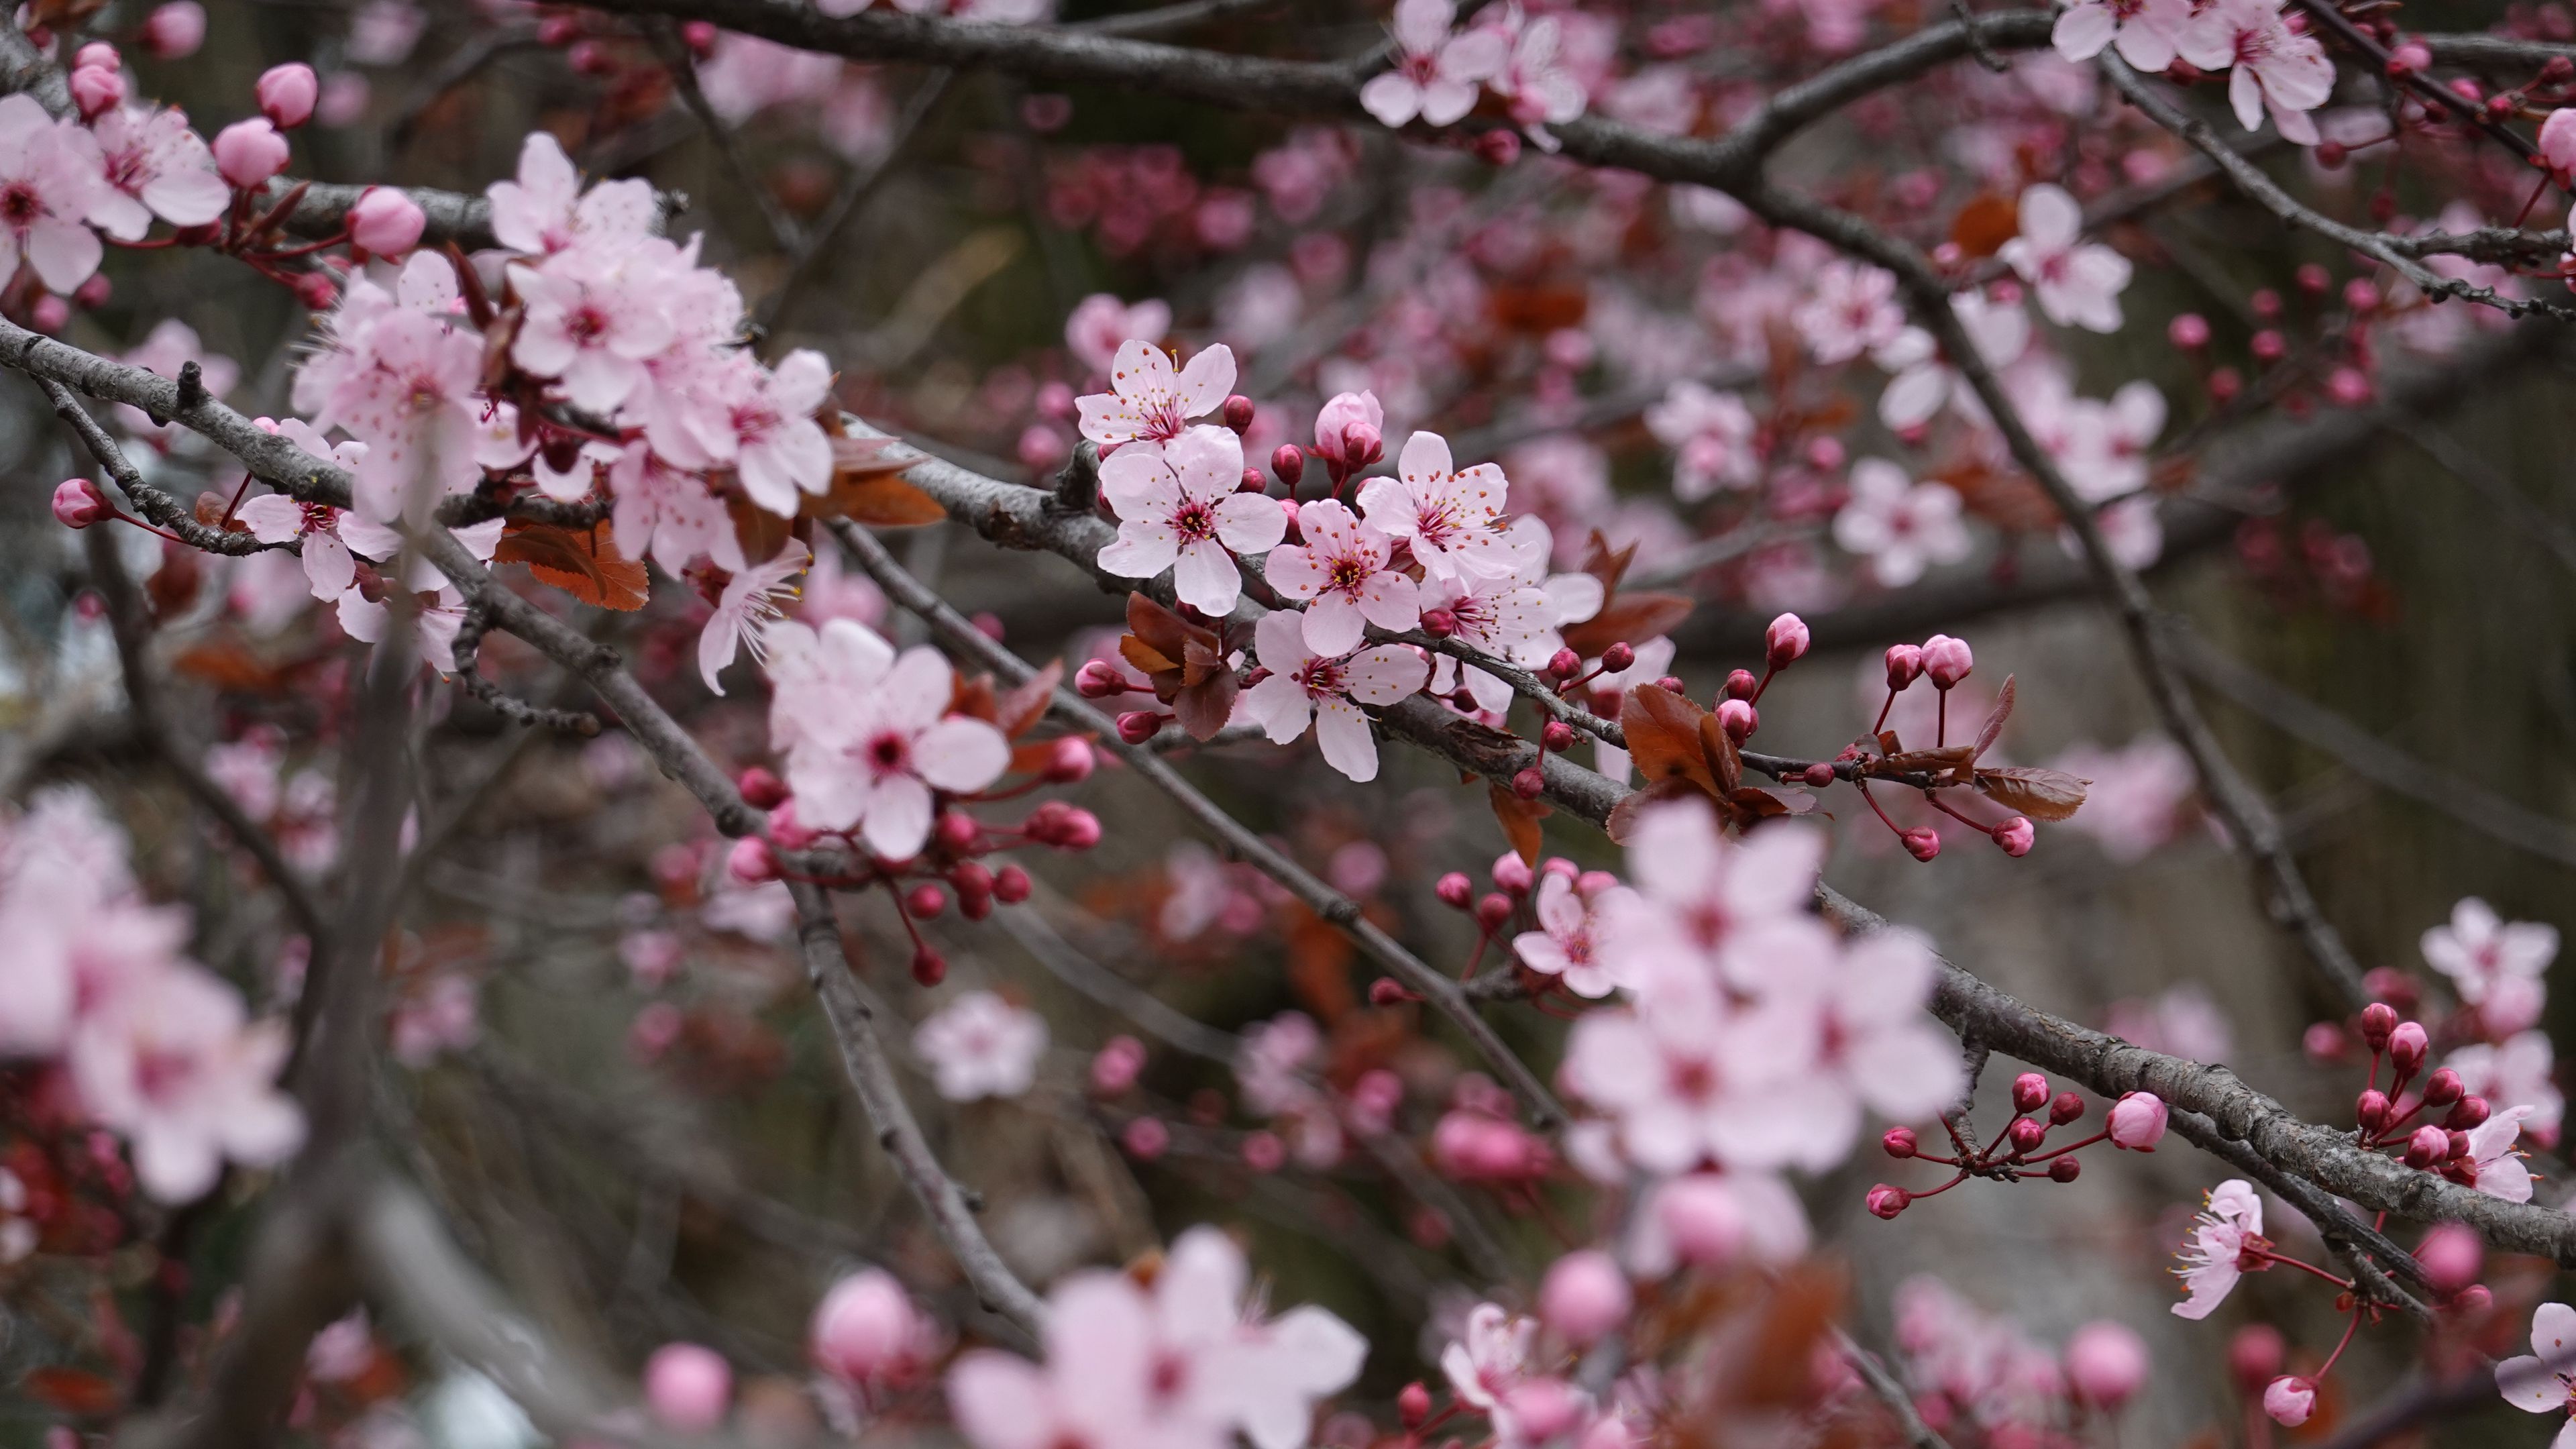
[
  {"x": 2383, "y": 1115},
  {"x": 1945, "y": 661},
  {"x": 2136, "y": 1123},
  {"x": 951, "y": 862}
]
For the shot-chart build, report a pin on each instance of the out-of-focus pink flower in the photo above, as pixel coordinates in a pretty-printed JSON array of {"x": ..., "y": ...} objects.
[
  {"x": 2520, "y": 1071},
  {"x": 248, "y": 153},
  {"x": 1493, "y": 1357},
  {"x": 2078, "y": 283},
  {"x": 386, "y": 222},
  {"x": 688, "y": 1386},
  {"x": 1900, "y": 526},
  {"x": 2558, "y": 143},
  {"x": 1100, "y": 324},
  {"x": 867, "y": 1332},
  {"x": 2479, "y": 949},
  {"x": 287, "y": 92},
  {"x": 2452, "y": 1256},
  {"x": 2106, "y": 1364},
  {"x": 1537, "y": 87},
  {"x": 1181, "y": 509},
  {"x": 1851, "y": 310},
  {"x": 173, "y": 1066},
  {"x": 2226, "y": 1242},
  {"x": 982, "y": 1046},
  {"x": 175, "y": 30},
  {"x": 1306, "y": 686},
  {"x": 1436, "y": 72},
  {"x": 867, "y": 733},
  {"x": 1711, "y": 434},
  {"x": 1584, "y": 1296}
]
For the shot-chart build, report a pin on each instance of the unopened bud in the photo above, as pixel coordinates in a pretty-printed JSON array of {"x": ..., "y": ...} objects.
[
  {"x": 2188, "y": 331},
  {"x": 1010, "y": 885},
  {"x": 2378, "y": 1019},
  {"x": 1413, "y": 1406},
  {"x": 1671, "y": 684},
  {"x": 286, "y": 94},
  {"x": 1387, "y": 991},
  {"x": 1618, "y": 657},
  {"x": 2407, "y": 1046},
  {"x": 1557, "y": 736},
  {"x": 1904, "y": 665},
  {"x": 2016, "y": 836},
  {"x": 2026, "y": 1134},
  {"x": 925, "y": 901},
  {"x": 2427, "y": 1146},
  {"x": 1439, "y": 623},
  {"x": 2064, "y": 1169},
  {"x": 1455, "y": 890},
  {"x": 701, "y": 37},
  {"x": 1947, "y": 660},
  {"x": 1500, "y": 146},
  {"x": 751, "y": 861},
  {"x": 1070, "y": 762},
  {"x": 1493, "y": 910},
  {"x": 2029, "y": 1090},
  {"x": 1738, "y": 719},
  {"x": 2412, "y": 58},
  {"x": 2469, "y": 1113},
  {"x": 929, "y": 968},
  {"x": 762, "y": 789},
  {"x": 1513, "y": 873},
  {"x": 1099, "y": 679},
  {"x": 956, "y": 831},
  {"x": 78, "y": 503},
  {"x": 1137, "y": 726},
  {"x": 1251, "y": 482},
  {"x": 1922, "y": 842},
  {"x": 1361, "y": 446},
  {"x": 1900, "y": 1142},
  {"x": 2459, "y": 1148},
  {"x": 1288, "y": 462},
  {"x": 2371, "y": 1112},
  {"x": 1565, "y": 664},
  {"x": 1818, "y": 775},
  {"x": 2065, "y": 1107},
  {"x": 97, "y": 90},
  {"x": 1529, "y": 784},
  {"x": 1739, "y": 684},
  {"x": 2443, "y": 1088},
  {"x": 1887, "y": 1200},
  {"x": 1785, "y": 642},
  {"x": 1238, "y": 413},
  {"x": 2137, "y": 1121}
]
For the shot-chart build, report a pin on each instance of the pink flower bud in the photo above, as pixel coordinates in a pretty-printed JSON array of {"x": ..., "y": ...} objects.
[
  {"x": 866, "y": 1331},
  {"x": 761, "y": 789},
  {"x": 97, "y": 55},
  {"x": 1137, "y": 726},
  {"x": 78, "y": 503},
  {"x": 1493, "y": 911},
  {"x": 1886, "y": 1200},
  {"x": 1668, "y": 683},
  {"x": 316, "y": 291},
  {"x": 1413, "y": 1405},
  {"x": 2472, "y": 1301},
  {"x": 2255, "y": 1354},
  {"x": 1513, "y": 873},
  {"x": 1556, "y": 736},
  {"x": 2016, "y": 836},
  {"x": 1701, "y": 1218},
  {"x": 1904, "y": 665},
  {"x": 2458, "y": 1149},
  {"x": 1565, "y": 664},
  {"x": 751, "y": 861},
  {"x": 2290, "y": 1400},
  {"x": 2029, "y": 1092},
  {"x": 1947, "y": 660},
  {"x": 1069, "y": 762},
  {"x": 1584, "y": 1296},
  {"x": 2349, "y": 387},
  {"x": 785, "y": 831},
  {"x": 2065, "y": 1169},
  {"x": 1010, "y": 885},
  {"x": 249, "y": 152},
  {"x": 1498, "y": 147},
  {"x": 1238, "y": 413},
  {"x": 1251, "y": 482},
  {"x": 2452, "y": 1257},
  {"x": 2065, "y": 1107},
  {"x": 1922, "y": 842},
  {"x": 97, "y": 90},
  {"x": 1145, "y": 1138},
  {"x": 2026, "y": 1133},
  {"x": 2470, "y": 1113},
  {"x": 701, "y": 37},
  {"x": 2106, "y": 1364},
  {"x": 2378, "y": 1019},
  {"x": 1439, "y": 623},
  {"x": 1263, "y": 1152},
  {"x": 1618, "y": 657},
  {"x": 1099, "y": 679},
  {"x": 1900, "y": 1143},
  {"x": 1075, "y": 829},
  {"x": 386, "y": 222},
  {"x": 925, "y": 901},
  {"x": 956, "y": 831},
  {"x": 1361, "y": 446},
  {"x": 1785, "y": 642},
  {"x": 2407, "y": 1045},
  {"x": 2443, "y": 1088},
  {"x": 174, "y": 31},
  {"x": 1738, "y": 719},
  {"x": 2412, "y": 58},
  {"x": 2427, "y": 1146},
  {"x": 1288, "y": 462},
  {"x": 2323, "y": 1041},
  {"x": 1288, "y": 510},
  {"x": 2188, "y": 331},
  {"x": 688, "y": 1386},
  {"x": 286, "y": 94},
  {"x": 2138, "y": 1121},
  {"x": 929, "y": 968},
  {"x": 1739, "y": 684},
  {"x": 1455, "y": 890},
  {"x": 1541, "y": 1410}
]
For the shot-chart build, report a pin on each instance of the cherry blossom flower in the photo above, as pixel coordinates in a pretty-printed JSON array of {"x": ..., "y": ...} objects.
[
  {"x": 1874, "y": 1044},
  {"x": 154, "y": 165},
  {"x": 746, "y": 609},
  {"x": 2494, "y": 1164},
  {"x": 1851, "y": 310},
  {"x": 410, "y": 397},
  {"x": 1217, "y": 1360},
  {"x": 1336, "y": 419},
  {"x": 982, "y": 1046},
  {"x": 2520, "y": 1071},
  {"x": 2135, "y": 802},
  {"x": 761, "y": 420},
  {"x": 1902, "y": 527},
  {"x": 867, "y": 734},
  {"x": 52, "y": 182},
  {"x": 1342, "y": 569},
  {"x": 545, "y": 209},
  {"x": 2226, "y": 1242},
  {"x": 1708, "y": 907},
  {"x": 1095, "y": 1390},
  {"x": 1501, "y": 617},
  {"x": 1327, "y": 690},
  {"x": 1712, "y": 1219},
  {"x": 1924, "y": 381},
  {"x": 1690, "y": 1078},
  {"x": 1449, "y": 517},
  {"x": 2274, "y": 68},
  {"x": 2078, "y": 283},
  {"x": 2481, "y": 952},
  {"x": 1100, "y": 324},
  {"x": 1436, "y": 74},
  {"x": 1537, "y": 88},
  {"x": 1495, "y": 1354},
  {"x": 1148, "y": 401},
  {"x": 668, "y": 515},
  {"x": 1180, "y": 509},
  {"x": 1570, "y": 943},
  {"x": 2146, "y": 31},
  {"x": 173, "y": 1066},
  {"x": 1711, "y": 435},
  {"x": 2544, "y": 1380},
  {"x": 592, "y": 317}
]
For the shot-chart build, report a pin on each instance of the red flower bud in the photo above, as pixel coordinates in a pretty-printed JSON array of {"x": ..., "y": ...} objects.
[
  {"x": 2378, "y": 1019},
  {"x": 1557, "y": 736},
  {"x": 1010, "y": 885},
  {"x": 1818, "y": 775},
  {"x": 2016, "y": 836},
  {"x": 762, "y": 790},
  {"x": 1565, "y": 664},
  {"x": 2371, "y": 1112},
  {"x": 957, "y": 831},
  {"x": 1439, "y": 623},
  {"x": 1922, "y": 842},
  {"x": 1493, "y": 910},
  {"x": 2065, "y": 1107},
  {"x": 1288, "y": 461},
  {"x": 929, "y": 968},
  {"x": 1413, "y": 1405},
  {"x": 925, "y": 901},
  {"x": 1137, "y": 726},
  {"x": 2471, "y": 1112},
  {"x": 2443, "y": 1088},
  {"x": 1669, "y": 684},
  {"x": 1886, "y": 1200},
  {"x": 1070, "y": 762},
  {"x": 2407, "y": 1046},
  {"x": 1904, "y": 665},
  {"x": 1900, "y": 1142},
  {"x": 2064, "y": 1169},
  {"x": 1618, "y": 657},
  {"x": 1739, "y": 685},
  {"x": 2029, "y": 1090},
  {"x": 1529, "y": 784},
  {"x": 1500, "y": 146},
  {"x": 1387, "y": 991},
  {"x": 2427, "y": 1146},
  {"x": 751, "y": 861},
  {"x": 1455, "y": 890},
  {"x": 2026, "y": 1134},
  {"x": 1099, "y": 679},
  {"x": 1238, "y": 413},
  {"x": 1251, "y": 482},
  {"x": 1785, "y": 642},
  {"x": 1738, "y": 719}
]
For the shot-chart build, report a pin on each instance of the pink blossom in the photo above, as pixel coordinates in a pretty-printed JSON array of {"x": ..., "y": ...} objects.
[
  {"x": 2146, "y": 30},
  {"x": 593, "y": 316},
  {"x": 2290, "y": 1400},
  {"x": 173, "y": 31},
  {"x": 1335, "y": 420},
  {"x": 1872, "y": 1043},
  {"x": 2226, "y": 1242},
  {"x": 2106, "y": 1364},
  {"x": 1180, "y": 509},
  {"x": 867, "y": 1331},
  {"x": 1327, "y": 690},
  {"x": 154, "y": 165},
  {"x": 1584, "y": 1295},
  {"x": 1902, "y": 527},
  {"x": 1099, "y": 324},
  {"x": 386, "y": 222},
  {"x": 2494, "y": 1164},
  {"x": 867, "y": 734},
  {"x": 1342, "y": 569},
  {"x": 1924, "y": 381},
  {"x": 1708, "y": 907},
  {"x": 1711, "y": 434},
  {"x": 2520, "y": 1071},
  {"x": 1714, "y": 1219},
  {"x": 169, "y": 346},
  {"x": 2481, "y": 951},
  {"x": 746, "y": 609},
  {"x": 982, "y": 1046},
  {"x": 1691, "y": 1079},
  {"x": 1536, "y": 86},
  {"x": 1436, "y": 72},
  {"x": 1569, "y": 943},
  {"x": 173, "y": 1066},
  {"x": 2558, "y": 143},
  {"x": 2544, "y": 1380},
  {"x": 1500, "y": 617},
  {"x": 2078, "y": 283},
  {"x": 442, "y": 1017},
  {"x": 1150, "y": 402},
  {"x": 51, "y": 184},
  {"x": 2275, "y": 68},
  {"x": 1852, "y": 310},
  {"x": 2136, "y": 797},
  {"x": 668, "y": 515},
  {"x": 1448, "y": 516},
  {"x": 1495, "y": 1355},
  {"x": 688, "y": 1386},
  {"x": 545, "y": 210}
]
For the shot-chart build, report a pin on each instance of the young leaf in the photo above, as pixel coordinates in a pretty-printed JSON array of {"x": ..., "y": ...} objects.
[
  {"x": 1145, "y": 656},
  {"x": 1994, "y": 725},
  {"x": 1663, "y": 737},
  {"x": 879, "y": 501},
  {"x": 1204, "y": 706},
  {"x": 2037, "y": 793},
  {"x": 584, "y": 563},
  {"x": 1519, "y": 819},
  {"x": 1020, "y": 710},
  {"x": 1166, "y": 631}
]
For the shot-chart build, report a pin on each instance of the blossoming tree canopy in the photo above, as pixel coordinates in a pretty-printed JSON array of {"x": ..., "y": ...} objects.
[{"x": 774, "y": 722}]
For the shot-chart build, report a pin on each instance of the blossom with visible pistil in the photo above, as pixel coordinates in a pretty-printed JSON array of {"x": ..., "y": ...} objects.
[
  {"x": 1148, "y": 401},
  {"x": 1342, "y": 569},
  {"x": 746, "y": 609},
  {"x": 2226, "y": 1242},
  {"x": 1180, "y": 509},
  {"x": 1327, "y": 690},
  {"x": 868, "y": 736},
  {"x": 1436, "y": 72},
  {"x": 2078, "y": 283},
  {"x": 1450, "y": 517}
]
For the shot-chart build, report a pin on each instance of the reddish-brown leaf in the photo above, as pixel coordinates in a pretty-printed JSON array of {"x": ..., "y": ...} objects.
[
  {"x": 1780, "y": 1368},
  {"x": 72, "y": 1391},
  {"x": 1605, "y": 563},
  {"x": 1663, "y": 737},
  {"x": 1519, "y": 819},
  {"x": 2037, "y": 793},
  {"x": 1145, "y": 656},
  {"x": 1888, "y": 743},
  {"x": 1166, "y": 631},
  {"x": 225, "y": 664},
  {"x": 1718, "y": 748},
  {"x": 1032, "y": 756},
  {"x": 761, "y": 532},
  {"x": 972, "y": 696},
  {"x": 584, "y": 563},
  {"x": 1204, "y": 707},
  {"x": 1946, "y": 760},
  {"x": 1019, "y": 710},
  {"x": 879, "y": 501},
  {"x": 1628, "y": 619},
  {"x": 1993, "y": 728},
  {"x": 1985, "y": 224},
  {"x": 1200, "y": 660}
]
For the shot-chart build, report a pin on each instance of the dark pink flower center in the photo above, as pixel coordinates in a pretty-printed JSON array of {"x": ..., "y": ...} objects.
[{"x": 1194, "y": 521}]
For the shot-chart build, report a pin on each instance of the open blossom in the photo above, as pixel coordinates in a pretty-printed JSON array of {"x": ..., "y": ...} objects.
[
  {"x": 1902, "y": 527},
  {"x": 592, "y": 317},
  {"x": 52, "y": 183},
  {"x": 1180, "y": 509},
  {"x": 1570, "y": 943},
  {"x": 1537, "y": 88},
  {"x": 545, "y": 210},
  {"x": 2271, "y": 67},
  {"x": 1100, "y": 324},
  {"x": 1873, "y": 1044},
  {"x": 1691, "y": 1078},
  {"x": 1501, "y": 617},
  {"x": 982, "y": 1046},
  {"x": 1497, "y": 1353},
  {"x": 173, "y": 1066},
  {"x": 1342, "y": 569},
  {"x": 2078, "y": 283},
  {"x": 2226, "y": 1242},
  {"x": 2481, "y": 952},
  {"x": 2494, "y": 1165},
  {"x": 2145, "y": 31},
  {"x": 2544, "y": 1380},
  {"x": 154, "y": 164},
  {"x": 868, "y": 736},
  {"x": 1436, "y": 74},
  {"x": 668, "y": 514},
  {"x": 1711, "y": 435},
  {"x": 1924, "y": 381},
  {"x": 1711, "y": 907},
  {"x": 761, "y": 420},
  {"x": 1327, "y": 690},
  {"x": 746, "y": 609},
  {"x": 1149, "y": 401},
  {"x": 2520, "y": 1071},
  {"x": 1449, "y": 517},
  {"x": 1852, "y": 310}
]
